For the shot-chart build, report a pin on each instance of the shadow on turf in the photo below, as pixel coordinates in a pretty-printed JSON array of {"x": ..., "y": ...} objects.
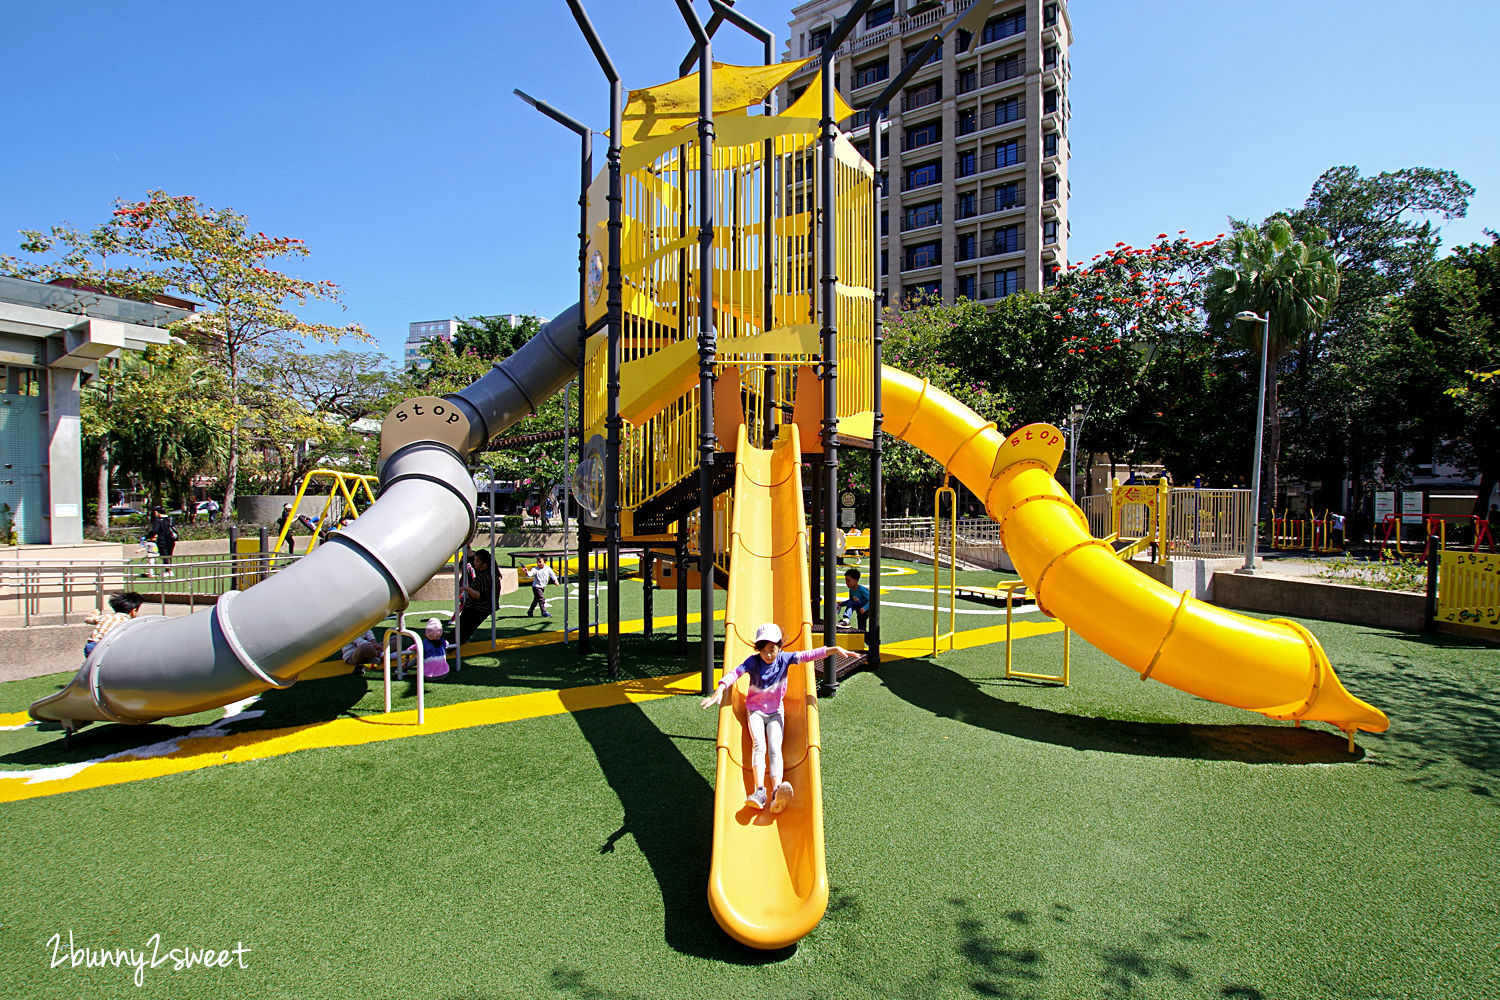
[
  {"x": 950, "y": 695},
  {"x": 1439, "y": 717},
  {"x": 668, "y": 808}
]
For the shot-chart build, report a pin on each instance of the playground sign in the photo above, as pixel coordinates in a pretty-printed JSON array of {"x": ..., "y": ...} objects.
[
  {"x": 1385, "y": 505},
  {"x": 1411, "y": 508}
]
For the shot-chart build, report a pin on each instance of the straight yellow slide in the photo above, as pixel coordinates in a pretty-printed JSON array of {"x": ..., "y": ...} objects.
[
  {"x": 768, "y": 882},
  {"x": 1274, "y": 667}
]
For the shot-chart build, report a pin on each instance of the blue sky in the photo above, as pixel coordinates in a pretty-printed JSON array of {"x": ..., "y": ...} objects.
[{"x": 386, "y": 134}]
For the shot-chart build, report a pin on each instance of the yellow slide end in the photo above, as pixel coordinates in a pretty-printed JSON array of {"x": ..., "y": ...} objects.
[
  {"x": 768, "y": 881},
  {"x": 1276, "y": 668}
]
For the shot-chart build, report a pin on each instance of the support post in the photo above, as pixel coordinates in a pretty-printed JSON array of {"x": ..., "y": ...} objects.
[{"x": 707, "y": 344}]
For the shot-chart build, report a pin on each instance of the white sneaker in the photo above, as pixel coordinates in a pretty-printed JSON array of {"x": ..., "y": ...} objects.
[
  {"x": 756, "y": 798},
  {"x": 783, "y": 797}
]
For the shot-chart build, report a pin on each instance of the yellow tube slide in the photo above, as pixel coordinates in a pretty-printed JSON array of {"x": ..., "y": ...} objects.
[
  {"x": 768, "y": 883},
  {"x": 1273, "y": 667}
]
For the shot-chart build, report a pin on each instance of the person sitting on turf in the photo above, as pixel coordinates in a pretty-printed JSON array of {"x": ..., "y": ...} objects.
[
  {"x": 858, "y": 602},
  {"x": 478, "y": 600},
  {"x": 363, "y": 649},
  {"x": 122, "y": 608},
  {"x": 767, "y": 667}
]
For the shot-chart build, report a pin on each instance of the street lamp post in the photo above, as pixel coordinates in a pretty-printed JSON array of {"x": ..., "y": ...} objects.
[{"x": 1260, "y": 427}]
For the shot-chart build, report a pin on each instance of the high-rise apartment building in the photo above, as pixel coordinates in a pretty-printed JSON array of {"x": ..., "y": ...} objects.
[
  {"x": 420, "y": 333},
  {"x": 976, "y": 149}
]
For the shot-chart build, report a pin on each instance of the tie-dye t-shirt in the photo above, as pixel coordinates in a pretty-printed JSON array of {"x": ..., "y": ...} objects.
[{"x": 768, "y": 681}]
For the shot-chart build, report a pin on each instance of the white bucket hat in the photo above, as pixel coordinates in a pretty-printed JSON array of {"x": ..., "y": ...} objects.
[{"x": 769, "y": 632}]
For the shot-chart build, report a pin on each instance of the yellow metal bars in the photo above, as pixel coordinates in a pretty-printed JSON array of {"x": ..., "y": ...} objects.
[
  {"x": 770, "y": 177},
  {"x": 1469, "y": 589},
  {"x": 937, "y": 549},
  {"x": 1208, "y": 523},
  {"x": 349, "y": 485},
  {"x": 1063, "y": 678}
]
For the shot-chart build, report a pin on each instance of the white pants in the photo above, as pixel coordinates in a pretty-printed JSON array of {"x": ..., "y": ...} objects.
[{"x": 766, "y": 730}]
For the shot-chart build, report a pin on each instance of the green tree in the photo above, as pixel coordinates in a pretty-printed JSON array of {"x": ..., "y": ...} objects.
[
  {"x": 1294, "y": 283},
  {"x": 165, "y": 415},
  {"x": 493, "y": 336},
  {"x": 1382, "y": 232},
  {"x": 172, "y": 243}
]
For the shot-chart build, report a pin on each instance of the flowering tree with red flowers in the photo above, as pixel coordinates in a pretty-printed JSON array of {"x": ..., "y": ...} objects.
[{"x": 175, "y": 244}]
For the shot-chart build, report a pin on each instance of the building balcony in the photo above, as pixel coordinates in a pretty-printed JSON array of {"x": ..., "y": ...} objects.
[{"x": 921, "y": 220}]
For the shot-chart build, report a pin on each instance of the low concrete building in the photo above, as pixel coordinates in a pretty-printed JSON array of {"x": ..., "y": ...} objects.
[{"x": 52, "y": 338}]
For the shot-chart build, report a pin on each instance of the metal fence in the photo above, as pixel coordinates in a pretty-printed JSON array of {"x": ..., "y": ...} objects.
[{"x": 64, "y": 592}]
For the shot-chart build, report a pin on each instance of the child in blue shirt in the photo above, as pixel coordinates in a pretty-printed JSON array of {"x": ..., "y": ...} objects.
[{"x": 858, "y": 602}]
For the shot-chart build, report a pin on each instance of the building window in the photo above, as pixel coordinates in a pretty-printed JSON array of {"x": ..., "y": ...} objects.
[
  {"x": 1008, "y": 154},
  {"x": 1006, "y": 196},
  {"x": 1049, "y": 144},
  {"x": 967, "y": 247},
  {"x": 966, "y": 207},
  {"x": 817, "y": 39},
  {"x": 872, "y": 73},
  {"x": 966, "y": 289},
  {"x": 964, "y": 164},
  {"x": 1049, "y": 15},
  {"x": 1049, "y": 231},
  {"x": 968, "y": 122},
  {"x": 932, "y": 289},
  {"x": 1049, "y": 277},
  {"x": 858, "y": 120},
  {"x": 1004, "y": 113},
  {"x": 1049, "y": 56},
  {"x": 885, "y": 262},
  {"x": 1007, "y": 239},
  {"x": 880, "y": 14},
  {"x": 923, "y": 255},
  {"x": 1049, "y": 189},
  {"x": 885, "y": 223},
  {"x": 924, "y": 134},
  {"x": 920, "y": 97},
  {"x": 1006, "y": 282},
  {"x": 1011, "y": 23},
  {"x": 1049, "y": 102},
  {"x": 912, "y": 53},
  {"x": 929, "y": 214},
  {"x": 1009, "y": 68},
  {"x": 965, "y": 39},
  {"x": 967, "y": 80},
  {"x": 923, "y": 175}
]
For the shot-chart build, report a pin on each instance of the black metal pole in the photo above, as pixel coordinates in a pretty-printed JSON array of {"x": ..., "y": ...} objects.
[
  {"x": 648, "y": 562},
  {"x": 680, "y": 555},
  {"x": 612, "y": 416},
  {"x": 1434, "y": 558},
  {"x": 827, "y": 134},
  {"x": 877, "y": 484},
  {"x": 586, "y": 176},
  {"x": 707, "y": 342}
]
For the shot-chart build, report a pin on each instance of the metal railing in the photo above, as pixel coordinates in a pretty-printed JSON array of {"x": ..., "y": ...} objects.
[
  {"x": 922, "y": 218},
  {"x": 64, "y": 592},
  {"x": 929, "y": 94},
  {"x": 1010, "y": 69},
  {"x": 1003, "y": 114},
  {"x": 1003, "y": 242}
]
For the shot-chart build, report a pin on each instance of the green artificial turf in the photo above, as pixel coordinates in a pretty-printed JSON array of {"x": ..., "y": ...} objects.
[{"x": 985, "y": 839}]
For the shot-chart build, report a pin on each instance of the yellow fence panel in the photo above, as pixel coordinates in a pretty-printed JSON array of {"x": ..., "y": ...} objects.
[{"x": 1469, "y": 589}]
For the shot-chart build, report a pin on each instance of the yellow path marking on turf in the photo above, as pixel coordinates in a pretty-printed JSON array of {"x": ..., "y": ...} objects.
[
  {"x": 197, "y": 752},
  {"x": 14, "y": 718}
]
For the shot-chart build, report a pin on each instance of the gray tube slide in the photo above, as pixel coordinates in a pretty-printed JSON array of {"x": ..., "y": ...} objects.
[{"x": 264, "y": 637}]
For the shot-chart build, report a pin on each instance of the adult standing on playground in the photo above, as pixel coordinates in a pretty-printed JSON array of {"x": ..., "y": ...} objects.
[
  {"x": 478, "y": 601},
  {"x": 165, "y": 536},
  {"x": 286, "y": 513},
  {"x": 541, "y": 574}
]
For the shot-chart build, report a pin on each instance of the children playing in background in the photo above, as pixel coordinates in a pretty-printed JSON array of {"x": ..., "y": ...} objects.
[
  {"x": 767, "y": 667},
  {"x": 858, "y": 602},
  {"x": 123, "y": 607},
  {"x": 541, "y": 574},
  {"x": 434, "y": 651},
  {"x": 362, "y": 649}
]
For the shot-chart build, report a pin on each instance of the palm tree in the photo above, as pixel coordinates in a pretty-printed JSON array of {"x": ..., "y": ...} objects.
[{"x": 1267, "y": 270}]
